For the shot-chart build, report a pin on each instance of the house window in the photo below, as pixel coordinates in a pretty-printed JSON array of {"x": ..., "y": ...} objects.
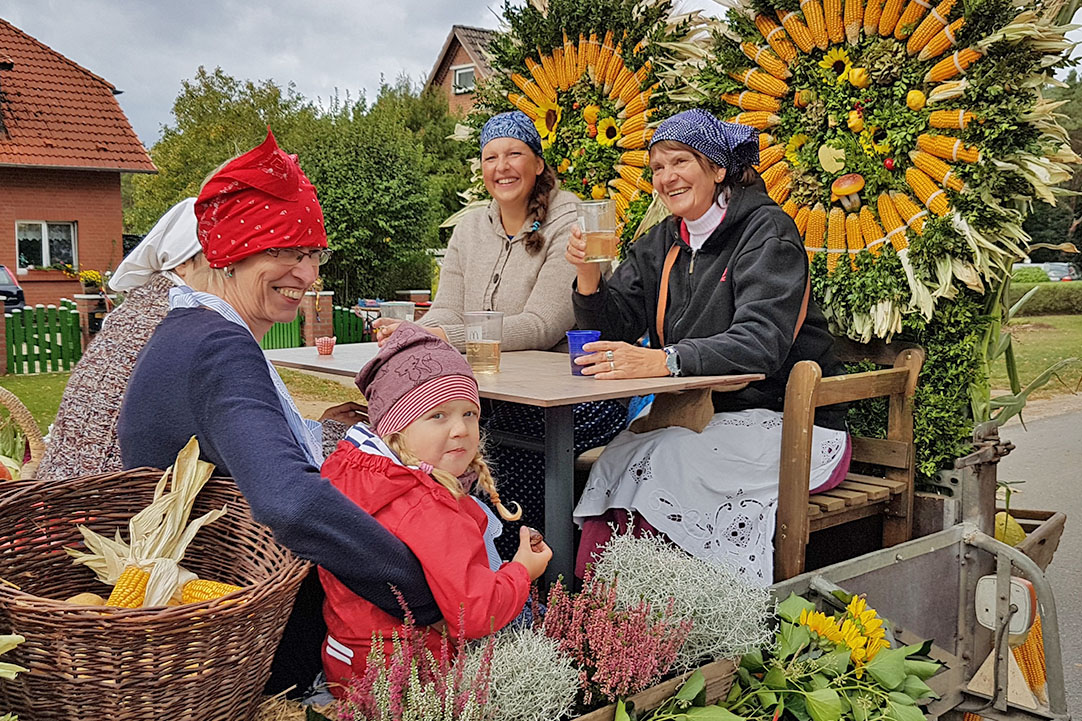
[
  {"x": 462, "y": 79},
  {"x": 42, "y": 244}
]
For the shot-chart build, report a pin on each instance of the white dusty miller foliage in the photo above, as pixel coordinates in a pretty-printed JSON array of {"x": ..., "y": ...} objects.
[
  {"x": 730, "y": 614},
  {"x": 531, "y": 678}
]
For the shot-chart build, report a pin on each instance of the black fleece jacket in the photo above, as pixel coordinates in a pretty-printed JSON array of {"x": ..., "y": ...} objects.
[{"x": 733, "y": 304}]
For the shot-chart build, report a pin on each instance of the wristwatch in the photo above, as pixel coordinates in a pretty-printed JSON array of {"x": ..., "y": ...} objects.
[{"x": 672, "y": 360}]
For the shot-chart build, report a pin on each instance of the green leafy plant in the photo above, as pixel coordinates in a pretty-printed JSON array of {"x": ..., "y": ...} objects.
[{"x": 9, "y": 671}]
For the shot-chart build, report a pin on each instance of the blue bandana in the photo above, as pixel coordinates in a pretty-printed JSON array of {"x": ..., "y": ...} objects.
[
  {"x": 514, "y": 124},
  {"x": 729, "y": 145}
]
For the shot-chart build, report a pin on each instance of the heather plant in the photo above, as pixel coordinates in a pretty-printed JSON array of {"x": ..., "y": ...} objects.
[
  {"x": 729, "y": 614},
  {"x": 618, "y": 650},
  {"x": 531, "y": 677}
]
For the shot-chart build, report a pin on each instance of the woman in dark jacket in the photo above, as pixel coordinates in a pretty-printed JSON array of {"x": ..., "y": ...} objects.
[{"x": 720, "y": 287}]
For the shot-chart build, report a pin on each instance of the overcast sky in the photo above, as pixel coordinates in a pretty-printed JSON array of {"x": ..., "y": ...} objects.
[{"x": 147, "y": 47}]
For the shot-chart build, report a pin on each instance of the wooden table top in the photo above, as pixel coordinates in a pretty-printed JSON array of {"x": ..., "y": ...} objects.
[{"x": 535, "y": 378}]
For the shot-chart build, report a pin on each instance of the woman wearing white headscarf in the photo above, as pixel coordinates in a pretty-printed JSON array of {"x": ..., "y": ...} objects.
[{"x": 83, "y": 438}]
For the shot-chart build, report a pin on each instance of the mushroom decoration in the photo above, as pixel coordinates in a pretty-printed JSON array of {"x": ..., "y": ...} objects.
[{"x": 847, "y": 189}]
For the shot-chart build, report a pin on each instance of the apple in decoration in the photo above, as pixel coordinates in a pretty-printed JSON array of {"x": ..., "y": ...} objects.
[{"x": 889, "y": 163}]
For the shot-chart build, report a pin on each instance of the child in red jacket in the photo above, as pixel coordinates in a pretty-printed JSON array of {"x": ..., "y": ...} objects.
[{"x": 413, "y": 476}]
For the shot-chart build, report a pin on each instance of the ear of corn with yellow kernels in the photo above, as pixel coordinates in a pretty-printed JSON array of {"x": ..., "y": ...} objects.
[
  {"x": 942, "y": 42},
  {"x": 201, "y": 590},
  {"x": 530, "y": 88},
  {"x": 637, "y": 158},
  {"x": 929, "y": 27},
  {"x": 929, "y": 193},
  {"x": 797, "y": 30},
  {"x": 540, "y": 76},
  {"x": 775, "y": 38},
  {"x": 636, "y": 122},
  {"x": 873, "y": 9},
  {"x": 854, "y": 241},
  {"x": 559, "y": 68},
  {"x": 888, "y": 20},
  {"x": 813, "y": 14},
  {"x": 869, "y": 228},
  {"x": 892, "y": 222},
  {"x": 770, "y": 156},
  {"x": 625, "y": 79},
  {"x": 636, "y": 140},
  {"x": 638, "y": 104},
  {"x": 761, "y": 82},
  {"x": 937, "y": 169},
  {"x": 775, "y": 173},
  {"x": 765, "y": 141},
  {"x": 790, "y": 208},
  {"x": 950, "y": 119},
  {"x": 947, "y": 148},
  {"x": 780, "y": 192},
  {"x": 911, "y": 213},
  {"x": 835, "y": 238},
  {"x": 130, "y": 589},
  {"x": 612, "y": 72},
  {"x": 957, "y": 64},
  {"x": 759, "y": 119},
  {"x": 1030, "y": 658},
  {"x": 766, "y": 59},
  {"x": 852, "y": 19},
  {"x": 912, "y": 14},
  {"x": 549, "y": 69},
  {"x": 747, "y": 100},
  {"x": 832, "y": 16},
  {"x": 624, "y": 188},
  {"x": 621, "y": 202},
  {"x": 522, "y": 103},
  {"x": 801, "y": 219},
  {"x": 815, "y": 230}
]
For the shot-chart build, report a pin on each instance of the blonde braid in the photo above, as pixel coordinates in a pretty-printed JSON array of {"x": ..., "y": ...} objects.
[{"x": 488, "y": 485}]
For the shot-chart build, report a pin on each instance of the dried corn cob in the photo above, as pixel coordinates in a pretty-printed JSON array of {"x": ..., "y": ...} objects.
[
  {"x": 815, "y": 230},
  {"x": 947, "y": 91},
  {"x": 780, "y": 192},
  {"x": 1030, "y": 658},
  {"x": 946, "y": 39},
  {"x": 888, "y": 20},
  {"x": 873, "y": 9},
  {"x": 747, "y": 100},
  {"x": 813, "y": 14},
  {"x": 790, "y": 208},
  {"x": 636, "y": 122},
  {"x": 854, "y": 241},
  {"x": 775, "y": 174},
  {"x": 570, "y": 61},
  {"x": 869, "y": 228},
  {"x": 130, "y": 589},
  {"x": 775, "y": 38},
  {"x": 532, "y": 111},
  {"x": 636, "y": 158},
  {"x": 937, "y": 169},
  {"x": 624, "y": 188},
  {"x": 530, "y": 88},
  {"x": 638, "y": 103},
  {"x": 623, "y": 80},
  {"x": 929, "y": 27},
  {"x": 603, "y": 57},
  {"x": 956, "y": 64},
  {"x": 636, "y": 140},
  {"x": 201, "y": 590},
  {"x": 761, "y": 82},
  {"x": 933, "y": 197},
  {"x": 947, "y": 147},
  {"x": 620, "y": 201},
  {"x": 580, "y": 56},
  {"x": 633, "y": 176},
  {"x": 832, "y": 16},
  {"x": 765, "y": 141},
  {"x": 759, "y": 119},
  {"x": 549, "y": 67},
  {"x": 892, "y": 222},
  {"x": 616, "y": 64},
  {"x": 770, "y": 156},
  {"x": 797, "y": 30},
  {"x": 801, "y": 219},
  {"x": 541, "y": 77},
  {"x": 912, "y": 14},
  {"x": 593, "y": 49},
  {"x": 643, "y": 73},
  {"x": 559, "y": 68},
  {"x": 911, "y": 213},
  {"x": 766, "y": 59},
  {"x": 957, "y": 119},
  {"x": 853, "y": 17},
  {"x": 835, "y": 238}
]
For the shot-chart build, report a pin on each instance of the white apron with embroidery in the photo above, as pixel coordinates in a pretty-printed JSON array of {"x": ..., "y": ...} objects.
[{"x": 713, "y": 493}]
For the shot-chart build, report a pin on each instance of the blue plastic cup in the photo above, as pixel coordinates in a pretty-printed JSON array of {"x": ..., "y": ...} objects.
[{"x": 576, "y": 339}]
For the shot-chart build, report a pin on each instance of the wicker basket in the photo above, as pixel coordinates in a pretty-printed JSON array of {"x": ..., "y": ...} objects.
[
  {"x": 207, "y": 660},
  {"x": 26, "y": 423}
]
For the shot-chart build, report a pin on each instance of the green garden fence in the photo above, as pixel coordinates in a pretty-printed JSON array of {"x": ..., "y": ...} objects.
[
  {"x": 43, "y": 339},
  {"x": 283, "y": 335},
  {"x": 350, "y": 328}
]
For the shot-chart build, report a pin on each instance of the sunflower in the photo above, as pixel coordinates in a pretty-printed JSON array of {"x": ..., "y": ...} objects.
[
  {"x": 837, "y": 61},
  {"x": 608, "y": 132},
  {"x": 792, "y": 148},
  {"x": 874, "y": 141},
  {"x": 548, "y": 121}
]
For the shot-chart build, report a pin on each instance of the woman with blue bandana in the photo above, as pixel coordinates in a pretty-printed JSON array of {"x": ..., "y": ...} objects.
[
  {"x": 508, "y": 257},
  {"x": 719, "y": 287}
]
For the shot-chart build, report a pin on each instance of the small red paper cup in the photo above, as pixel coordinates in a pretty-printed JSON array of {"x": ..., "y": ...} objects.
[{"x": 325, "y": 345}]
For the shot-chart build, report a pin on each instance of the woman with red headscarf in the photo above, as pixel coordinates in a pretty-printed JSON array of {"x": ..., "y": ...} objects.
[{"x": 203, "y": 374}]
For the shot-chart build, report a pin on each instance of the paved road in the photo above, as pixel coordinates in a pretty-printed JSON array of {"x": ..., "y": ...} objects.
[{"x": 1048, "y": 458}]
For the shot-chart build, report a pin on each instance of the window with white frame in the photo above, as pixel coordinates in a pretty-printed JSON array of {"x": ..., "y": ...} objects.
[
  {"x": 462, "y": 79},
  {"x": 40, "y": 244}
]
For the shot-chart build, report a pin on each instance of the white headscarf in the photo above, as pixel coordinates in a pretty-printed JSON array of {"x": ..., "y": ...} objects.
[{"x": 169, "y": 243}]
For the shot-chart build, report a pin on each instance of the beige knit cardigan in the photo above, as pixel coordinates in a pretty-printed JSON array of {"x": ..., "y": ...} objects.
[{"x": 484, "y": 270}]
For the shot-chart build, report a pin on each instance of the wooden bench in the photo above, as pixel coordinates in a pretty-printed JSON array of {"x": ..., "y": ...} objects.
[{"x": 881, "y": 477}]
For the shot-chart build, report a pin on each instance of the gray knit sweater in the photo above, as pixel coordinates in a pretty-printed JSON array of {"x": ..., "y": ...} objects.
[{"x": 483, "y": 270}]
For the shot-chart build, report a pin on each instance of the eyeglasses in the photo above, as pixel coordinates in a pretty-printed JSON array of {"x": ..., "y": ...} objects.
[{"x": 295, "y": 256}]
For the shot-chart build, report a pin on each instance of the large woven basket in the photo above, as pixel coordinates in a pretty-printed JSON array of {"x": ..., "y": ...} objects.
[
  {"x": 26, "y": 423},
  {"x": 198, "y": 661}
]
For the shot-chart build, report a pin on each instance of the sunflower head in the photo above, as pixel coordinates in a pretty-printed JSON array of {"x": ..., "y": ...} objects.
[
  {"x": 792, "y": 148},
  {"x": 548, "y": 120},
  {"x": 837, "y": 61},
  {"x": 874, "y": 141},
  {"x": 608, "y": 132}
]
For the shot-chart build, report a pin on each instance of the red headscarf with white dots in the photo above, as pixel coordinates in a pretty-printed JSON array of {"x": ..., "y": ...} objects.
[{"x": 259, "y": 200}]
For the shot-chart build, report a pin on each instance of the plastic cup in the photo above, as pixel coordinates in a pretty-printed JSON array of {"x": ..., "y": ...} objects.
[
  {"x": 576, "y": 339},
  {"x": 484, "y": 333},
  {"x": 325, "y": 344},
  {"x": 396, "y": 309},
  {"x": 597, "y": 220}
]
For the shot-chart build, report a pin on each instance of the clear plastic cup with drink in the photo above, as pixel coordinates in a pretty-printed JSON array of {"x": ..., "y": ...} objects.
[
  {"x": 484, "y": 332},
  {"x": 597, "y": 220},
  {"x": 397, "y": 309}
]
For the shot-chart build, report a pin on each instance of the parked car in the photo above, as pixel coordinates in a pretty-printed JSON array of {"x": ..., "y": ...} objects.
[
  {"x": 1061, "y": 271},
  {"x": 11, "y": 291}
]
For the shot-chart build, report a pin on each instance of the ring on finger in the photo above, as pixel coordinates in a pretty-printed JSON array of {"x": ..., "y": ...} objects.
[
  {"x": 612, "y": 366},
  {"x": 609, "y": 355}
]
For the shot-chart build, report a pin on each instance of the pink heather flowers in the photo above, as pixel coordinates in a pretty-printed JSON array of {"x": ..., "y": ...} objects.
[{"x": 618, "y": 651}]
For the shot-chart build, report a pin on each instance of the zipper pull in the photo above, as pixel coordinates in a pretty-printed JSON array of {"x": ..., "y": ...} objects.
[{"x": 691, "y": 267}]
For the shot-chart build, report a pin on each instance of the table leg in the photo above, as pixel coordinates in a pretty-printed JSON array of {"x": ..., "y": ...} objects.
[{"x": 560, "y": 492}]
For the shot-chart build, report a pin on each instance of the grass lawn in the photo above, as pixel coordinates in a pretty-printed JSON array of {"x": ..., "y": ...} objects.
[{"x": 1039, "y": 342}]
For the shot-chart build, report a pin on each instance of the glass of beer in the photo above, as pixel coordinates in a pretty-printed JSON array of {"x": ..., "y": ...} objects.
[
  {"x": 484, "y": 331},
  {"x": 597, "y": 219}
]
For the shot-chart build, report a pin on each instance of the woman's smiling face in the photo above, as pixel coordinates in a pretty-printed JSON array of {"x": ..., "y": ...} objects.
[
  {"x": 683, "y": 181},
  {"x": 510, "y": 169}
]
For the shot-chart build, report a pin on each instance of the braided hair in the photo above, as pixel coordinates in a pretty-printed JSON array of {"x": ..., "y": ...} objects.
[
  {"x": 478, "y": 465},
  {"x": 537, "y": 209}
]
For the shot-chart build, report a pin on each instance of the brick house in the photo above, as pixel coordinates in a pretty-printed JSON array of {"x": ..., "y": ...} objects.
[
  {"x": 460, "y": 64},
  {"x": 64, "y": 141}
]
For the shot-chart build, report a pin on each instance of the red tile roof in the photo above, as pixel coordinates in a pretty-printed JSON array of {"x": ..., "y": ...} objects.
[
  {"x": 474, "y": 40},
  {"x": 55, "y": 113}
]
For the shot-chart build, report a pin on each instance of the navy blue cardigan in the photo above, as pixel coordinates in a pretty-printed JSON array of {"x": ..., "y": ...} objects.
[{"x": 203, "y": 375}]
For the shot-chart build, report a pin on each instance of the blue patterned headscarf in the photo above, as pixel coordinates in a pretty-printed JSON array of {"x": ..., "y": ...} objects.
[
  {"x": 514, "y": 124},
  {"x": 729, "y": 145}
]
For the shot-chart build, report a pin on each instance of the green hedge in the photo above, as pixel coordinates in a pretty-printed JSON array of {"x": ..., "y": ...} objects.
[
  {"x": 1029, "y": 275},
  {"x": 1062, "y": 298}
]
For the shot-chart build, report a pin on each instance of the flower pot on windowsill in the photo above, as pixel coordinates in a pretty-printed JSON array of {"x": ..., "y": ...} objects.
[
  {"x": 40, "y": 274},
  {"x": 91, "y": 289}
]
